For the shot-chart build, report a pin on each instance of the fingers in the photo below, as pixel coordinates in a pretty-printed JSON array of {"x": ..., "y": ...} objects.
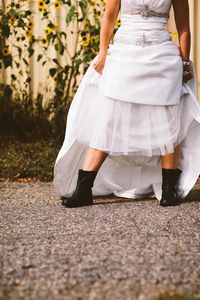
[{"x": 98, "y": 67}]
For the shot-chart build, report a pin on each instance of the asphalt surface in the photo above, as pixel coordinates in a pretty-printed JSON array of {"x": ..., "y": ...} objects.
[{"x": 116, "y": 249}]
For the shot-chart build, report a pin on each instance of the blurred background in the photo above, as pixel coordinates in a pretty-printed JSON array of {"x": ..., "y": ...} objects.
[{"x": 45, "y": 48}]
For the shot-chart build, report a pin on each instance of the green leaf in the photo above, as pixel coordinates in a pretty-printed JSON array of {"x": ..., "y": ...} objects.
[
  {"x": 63, "y": 33},
  {"x": 28, "y": 13},
  {"x": 25, "y": 61},
  {"x": 7, "y": 61},
  {"x": 21, "y": 23},
  {"x": 5, "y": 30},
  {"x": 28, "y": 79},
  {"x": 78, "y": 62},
  {"x": 31, "y": 51},
  {"x": 17, "y": 64},
  {"x": 70, "y": 14},
  {"x": 59, "y": 47},
  {"x": 39, "y": 57},
  {"x": 13, "y": 77},
  {"x": 83, "y": 5},
  {"x": 12, "y": 12},
  {"x": 19, "y": 51},
  {"x": 7, "y": 91},
  {"x": 52, "y": 71},
  {"x": 56, "y": 61}
]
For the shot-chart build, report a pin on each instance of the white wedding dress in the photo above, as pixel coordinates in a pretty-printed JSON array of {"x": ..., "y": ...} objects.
[{"x": 136, "y": 110}]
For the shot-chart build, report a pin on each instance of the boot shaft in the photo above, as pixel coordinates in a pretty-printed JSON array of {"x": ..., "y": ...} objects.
[
  {"x": 86, "y": 178},
  {"x": 170, "y": 178}
]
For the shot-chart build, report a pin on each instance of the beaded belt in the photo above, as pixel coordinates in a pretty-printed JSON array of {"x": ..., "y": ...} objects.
[{"x": 142, "y": 41}]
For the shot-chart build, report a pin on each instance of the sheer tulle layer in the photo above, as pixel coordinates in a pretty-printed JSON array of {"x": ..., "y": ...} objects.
[
  {"x": 119, "y": 127},
  {"x": 130, "y": 133},
  {"x": 124, "y": 128}
]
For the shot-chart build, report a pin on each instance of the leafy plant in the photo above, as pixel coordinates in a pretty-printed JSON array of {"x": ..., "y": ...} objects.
[{"x": 17, "y": 46}]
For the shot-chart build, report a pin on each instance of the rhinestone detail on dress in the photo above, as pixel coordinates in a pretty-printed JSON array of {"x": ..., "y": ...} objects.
[
  {"x": 145, "y": 11},
  {"x": 142, "y": 37},
  {"x": 143, "y": 41}
]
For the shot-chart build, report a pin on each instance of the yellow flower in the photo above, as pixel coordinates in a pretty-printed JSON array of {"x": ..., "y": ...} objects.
[
  {"x": 12, "y": 20},
  {"x": 56, "y": 27},
  {"x": 85, "y": 44},
  {"x": 93, "y": 38},
  {"x": 6, "y": 51},
  {"x": 28, "y": 33},
  {"x": 92, "y": 3},
  {"x": 85, "y": 40},
  {"x": 118, "y": 22},
  {"x": 57, "y": 4},
  {"x": 48, "y": 30},
  {"x": 21, "y": 72},
  {"x": 30, "y": 24},
  {"x": 87, "y": 23},
  {"x": 41, "y": 6},
  {"x": 174, "y": 35},
  {"x": 102, "y": 2},
  {"x": 44, "y": 41}
]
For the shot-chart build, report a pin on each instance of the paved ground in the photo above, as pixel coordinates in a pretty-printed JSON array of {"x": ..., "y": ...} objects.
[{"x": 116, "y": 249}]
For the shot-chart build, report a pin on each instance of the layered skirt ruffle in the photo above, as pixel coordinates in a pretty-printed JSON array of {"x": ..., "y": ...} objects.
[
  {"x": 119, "y": 127},
  {"x": 134, "y": 136}
]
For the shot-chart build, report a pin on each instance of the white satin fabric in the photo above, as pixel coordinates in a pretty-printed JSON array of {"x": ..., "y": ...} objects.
[
  {"x": 135, "y": 110},
  {"x": 144, "y": 75},
  {"x": 143, "y": 61}
]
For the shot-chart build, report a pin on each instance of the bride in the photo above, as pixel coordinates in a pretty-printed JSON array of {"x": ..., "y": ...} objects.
[{"x": 133, "y": 127}]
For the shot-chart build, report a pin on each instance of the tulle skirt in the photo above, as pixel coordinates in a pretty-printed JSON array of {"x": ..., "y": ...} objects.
[
  {"x": 119, "y": 127},
  {"x": 134, "y": 136}
]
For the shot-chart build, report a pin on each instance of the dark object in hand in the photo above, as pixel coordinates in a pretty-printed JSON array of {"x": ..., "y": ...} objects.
[{"x": 187, "y": 74}]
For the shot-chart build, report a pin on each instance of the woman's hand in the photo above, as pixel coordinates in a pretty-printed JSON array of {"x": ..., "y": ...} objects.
[
  {"x": 187, "y": 74},
  {"x": 99, "y": 62}
]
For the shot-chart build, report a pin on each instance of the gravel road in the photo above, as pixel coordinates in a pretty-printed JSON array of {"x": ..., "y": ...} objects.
[{"x": 116, "y": 249}]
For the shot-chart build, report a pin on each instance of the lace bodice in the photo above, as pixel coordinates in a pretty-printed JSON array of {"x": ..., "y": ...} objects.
[{"x": 143, "y": 22}]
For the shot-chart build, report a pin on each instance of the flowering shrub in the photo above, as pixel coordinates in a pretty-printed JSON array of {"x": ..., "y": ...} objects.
[
  {"x": 18, "y": 42},
  {"x": 17, "y": 45}
]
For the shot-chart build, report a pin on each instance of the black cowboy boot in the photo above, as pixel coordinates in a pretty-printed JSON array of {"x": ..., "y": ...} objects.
[
  {"x": 83, "y": 193},
  {"x": 169, "y": 193}
]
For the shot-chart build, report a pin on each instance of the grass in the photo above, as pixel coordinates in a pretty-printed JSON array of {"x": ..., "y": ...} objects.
[{"x": 27, "y": 161}]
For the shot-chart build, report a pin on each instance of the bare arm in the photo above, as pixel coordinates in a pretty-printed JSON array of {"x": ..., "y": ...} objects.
[
  {"x": 108, "y": 24},
  {"x": 107, "y": 27},
  {"x": 181, "y": 13}
]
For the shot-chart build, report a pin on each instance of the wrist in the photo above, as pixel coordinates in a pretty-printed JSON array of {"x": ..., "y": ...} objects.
[
  {"x": 102, "y": 52},
  {"x": 186, "y": 63}
]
